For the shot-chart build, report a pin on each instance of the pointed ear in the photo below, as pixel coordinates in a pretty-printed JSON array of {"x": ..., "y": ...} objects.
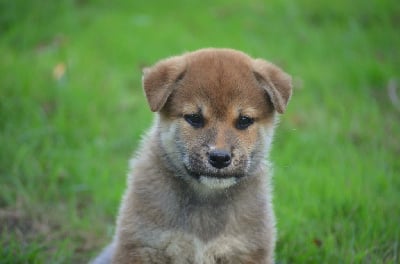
[
  {"x": 160, "y": 80},
  {"x": 275, "y": 82}
]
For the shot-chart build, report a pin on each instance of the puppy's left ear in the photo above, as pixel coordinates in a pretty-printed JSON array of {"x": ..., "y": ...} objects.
[
  {"x": 275, "y": 82},
  {"x": 160, "y": 81}
]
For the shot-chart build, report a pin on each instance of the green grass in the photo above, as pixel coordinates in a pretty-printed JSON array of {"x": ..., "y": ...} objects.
[{"x": 65, "y": 143}]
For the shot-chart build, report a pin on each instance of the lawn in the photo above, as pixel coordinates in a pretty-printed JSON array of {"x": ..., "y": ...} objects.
[{"x": 72, "y": 112}]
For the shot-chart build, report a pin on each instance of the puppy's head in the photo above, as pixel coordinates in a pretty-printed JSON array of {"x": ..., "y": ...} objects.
[{"x": 216, "y": 113}]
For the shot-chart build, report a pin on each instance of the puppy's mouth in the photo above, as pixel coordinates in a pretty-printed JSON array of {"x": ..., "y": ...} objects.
[
  {"x": 215, "y": 181},
  {"x": 212, "y": 175}
]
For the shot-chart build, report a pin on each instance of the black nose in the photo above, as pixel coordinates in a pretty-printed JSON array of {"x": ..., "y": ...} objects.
[{"x": 219, "y": 158}]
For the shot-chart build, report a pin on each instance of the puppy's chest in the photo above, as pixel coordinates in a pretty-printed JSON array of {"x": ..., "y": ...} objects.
[{"x": 182, "y": 248}]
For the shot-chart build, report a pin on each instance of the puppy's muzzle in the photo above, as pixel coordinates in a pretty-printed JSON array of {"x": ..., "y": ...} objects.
[{"x": 219, "y": 158}]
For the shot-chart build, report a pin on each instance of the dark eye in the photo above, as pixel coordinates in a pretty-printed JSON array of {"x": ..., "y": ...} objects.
[
  {"x": 244, "y": 122},
  {"x": 195, "y": 120}
]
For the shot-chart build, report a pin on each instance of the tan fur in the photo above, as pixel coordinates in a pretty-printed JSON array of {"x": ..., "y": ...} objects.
[{"x": 180, "y": 209}]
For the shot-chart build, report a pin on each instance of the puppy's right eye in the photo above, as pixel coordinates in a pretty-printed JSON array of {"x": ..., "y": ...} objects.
[
  {"x": 244, "y": 122},
  {"x": 195, "y": 120}
]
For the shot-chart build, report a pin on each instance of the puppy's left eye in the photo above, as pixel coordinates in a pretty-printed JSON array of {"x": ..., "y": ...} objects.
[
  {"x": 244, "y": 122},
  {"x": 195, "y": 120}
]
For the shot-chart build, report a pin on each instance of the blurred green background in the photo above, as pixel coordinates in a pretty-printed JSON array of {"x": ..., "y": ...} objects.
[{"x": 72, "y": 112}]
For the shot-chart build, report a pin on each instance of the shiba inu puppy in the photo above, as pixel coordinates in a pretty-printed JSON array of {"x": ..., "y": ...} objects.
[{"x": 199, "y": 188}]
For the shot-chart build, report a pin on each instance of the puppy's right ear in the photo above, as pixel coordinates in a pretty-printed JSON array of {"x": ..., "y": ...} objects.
[
  {"x": 160, "y": 80},
  {"x": 275, "y": 82}
]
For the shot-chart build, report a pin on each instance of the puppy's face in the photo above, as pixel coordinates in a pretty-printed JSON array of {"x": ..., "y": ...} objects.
[{"x": 216, "y": 120}]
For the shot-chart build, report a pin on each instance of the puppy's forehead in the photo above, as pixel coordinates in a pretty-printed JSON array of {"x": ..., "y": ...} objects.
[
  {"x": 221, "y": 82},
  {"x": 218, "y": 65}
]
